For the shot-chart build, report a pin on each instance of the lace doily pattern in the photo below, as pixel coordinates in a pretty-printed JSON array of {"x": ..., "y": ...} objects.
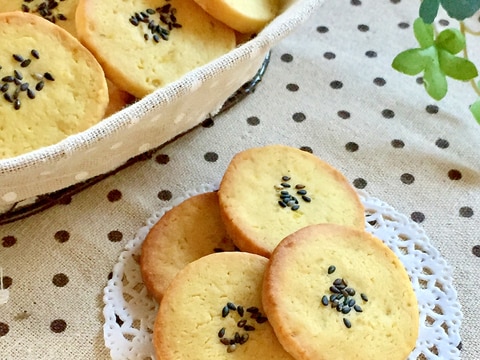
[{"x": 130, "y": 311}]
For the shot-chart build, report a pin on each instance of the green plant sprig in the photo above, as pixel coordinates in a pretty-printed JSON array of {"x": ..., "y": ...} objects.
[{"x": 436, "y": 54}]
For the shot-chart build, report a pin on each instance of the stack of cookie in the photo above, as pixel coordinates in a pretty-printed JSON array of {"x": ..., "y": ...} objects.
[
  {"x": 276, "y": 265},
  {"x": 102, "y": 56}
]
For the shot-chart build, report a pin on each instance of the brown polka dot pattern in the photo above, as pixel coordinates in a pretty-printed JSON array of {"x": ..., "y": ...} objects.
[
  {"x": 114, "y": 195},
  {"x": 8, "y": 241},
  {"x": 62, "y": 236},
  {"x": 60, "y": 280},
  {"x": 58, "y": 326},
  {"x": 115, "y": 236}
]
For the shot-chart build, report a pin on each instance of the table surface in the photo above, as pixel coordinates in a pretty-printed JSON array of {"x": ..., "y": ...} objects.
[{"x": 329, "y": 89}]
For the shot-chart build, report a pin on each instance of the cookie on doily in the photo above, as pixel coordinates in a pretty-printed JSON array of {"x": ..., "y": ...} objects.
[
  {"x": 213, "y": 310},
  {"x": 333, "y": 292},
  {"x": 269, "y": 192},
  {"x": 183, "y": 234}
]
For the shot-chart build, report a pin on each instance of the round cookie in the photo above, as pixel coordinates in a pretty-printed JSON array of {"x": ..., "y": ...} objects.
[
  {"x": 301, "y": 278},
  {"x": 251, "y": 193},
  {"x": 183, "y": 234},
  {"x": 59, "y": 12},
  {"x": 245, "y": 16},
  {"x": 52, "y": 86},
  {"x": 218, "y": 291},
  {"x": 146, "y": 44}
]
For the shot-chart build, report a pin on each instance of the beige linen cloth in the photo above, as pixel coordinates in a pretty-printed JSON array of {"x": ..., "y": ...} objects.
[{"x": 329, "y": 88}]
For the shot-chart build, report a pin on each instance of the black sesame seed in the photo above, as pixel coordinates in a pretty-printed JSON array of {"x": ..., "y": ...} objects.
[
  {"x": 17, "y": 104},
  {"x": 221, "y": 332},
  {"x": 145, "y": 36},
  {"x": 17, "y": 82},
  {"x": 282, "y": 204},
  {"x": 30, "y": 93},
  {"x": 25, "y": 8},
  {"x": 364, "y": 297},
  {"x": 231, "y": 306},
  {"x": 306, "y": 198},
  {"x": 261, "y": 319},
  {"x": 351, "y": 302},
  {"x": 4, "y": 87},
  {"x": 253, "y": 309},
  {"x": 8, "y": 78},
  {"x": 241, "y": 323},
  {"x": 25, "y": 63},
  {"x": 236, "y": 337},
  {"x": 244, "y": 338},
  {"x": 302, "y": 192},
  {"x": 339, "y": 307},
  {"x": 39, "y": 85},
  {"x": 18, "y": 75},
  {"x": 240, "y": 310},
  {"x": 150, "y": 11},
  {"x": 24, "y": 86},
  {"x": 7, "y": 97},
  {"x": 18, "y": 57},
  {"x": 350, "y": 291},
  {"x": 346, "y": 309},
  {"x": 325, "y": 300},
  {"x": 357, "y": 308},
  {"x": 49, "y": 76},
  {"x": 334, "y": 289},
  {"x": 249, "y": 328},
  {"x": 337, "y": 281},
  {"x": 295, "y": 207},
  {"x": 347, "y": 323},
  {"x": 225, "y": 311},
  {"x": 331, "y": 269},
  {"x": 285, "y": 185},
  {"x": 61, "y": 17},
  {"x": 286, "y": 178},
  {"x": 35, "y": 54},
  {"x": 225, "y": 341},
  {"x": 133, "y": 21},
  {"x": 156, "y": 38}
]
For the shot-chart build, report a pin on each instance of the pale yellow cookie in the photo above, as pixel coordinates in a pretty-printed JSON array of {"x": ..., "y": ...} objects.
[
  {"x": 146, "y": 44},
  {"x": 212, "y": 310},
  {"x": 332, "y": 292},
  {"x": 269, "y": 192},
  {"x": 52, "y": 86},
  {"x": 59, "y": 12},
  {"x": 245, "y": 16},
  {"x": 183, "y": 234}
]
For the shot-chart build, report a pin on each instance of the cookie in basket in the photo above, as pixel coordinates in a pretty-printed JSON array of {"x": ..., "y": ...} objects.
[
  {"x": 213, "y": 310},
  {"x": 144, "y": 45},
  {"x": 60, "y": 12},
  {"x": 183, "y": 234},
  {"x": 269, "y": 192},
  {"x": 246, "y": 16},
  {"x": 333, "y": 292},
  {"x": 52, "y": 86}
]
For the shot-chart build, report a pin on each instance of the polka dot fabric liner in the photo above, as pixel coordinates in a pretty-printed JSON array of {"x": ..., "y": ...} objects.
[
  {"x": 147, "y": 124},
  {"x": 130, "y": 312}
]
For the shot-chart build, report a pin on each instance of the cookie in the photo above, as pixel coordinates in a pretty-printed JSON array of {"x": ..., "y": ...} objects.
[
  {"x": 212, "y": 310},
  {"x": 269, "y": 192},
  {"x": 118, "y": 99},
  {"x": 144, "y": 45},
  {"x": 52, "y": 86},
  {"x": 320, "y": 266},
  {"x": 61, "y": 12},
  {"x": 245, "y": 16},
  {"x": 183, "y": 234}
]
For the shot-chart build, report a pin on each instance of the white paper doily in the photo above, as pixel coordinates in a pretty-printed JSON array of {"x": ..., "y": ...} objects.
[{"x": 130, "y": 312}]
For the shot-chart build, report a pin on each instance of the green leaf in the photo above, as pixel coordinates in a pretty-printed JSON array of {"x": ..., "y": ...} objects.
[
  {"x": 460, "y": 9},
  {"x": 475, "y": 110},
  {"x": 423, "y": 33},
  {"x": 428, "y": 10},
  {"x": 435, "y": 80},
  {"x": 410, "y": 62},
  {"x": 456, "y": 67},
  {"x": 451, "y": 40}
]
